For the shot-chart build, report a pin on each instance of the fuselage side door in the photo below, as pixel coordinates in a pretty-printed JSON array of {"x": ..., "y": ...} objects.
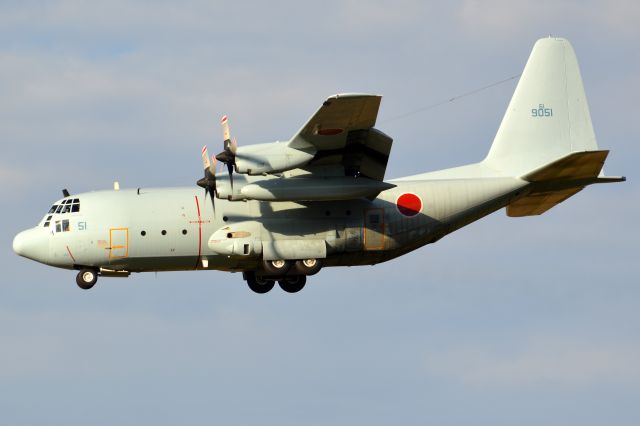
[
  {"x": 118, "y": 243},
  {"x": 374, "y": 229}
]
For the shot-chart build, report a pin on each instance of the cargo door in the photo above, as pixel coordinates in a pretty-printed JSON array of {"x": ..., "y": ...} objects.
[
  {"x": 374, "y": 229},
  {"x": 118, "y": 243}
]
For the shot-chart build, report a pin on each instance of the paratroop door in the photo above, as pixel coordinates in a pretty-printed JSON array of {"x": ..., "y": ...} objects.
[
  {"x": 118, "y": 243},
  {"x": 374, "y": 229}
]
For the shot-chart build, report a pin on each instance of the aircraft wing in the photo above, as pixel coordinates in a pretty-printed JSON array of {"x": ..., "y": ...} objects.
[{"x": 342, "y": 135}]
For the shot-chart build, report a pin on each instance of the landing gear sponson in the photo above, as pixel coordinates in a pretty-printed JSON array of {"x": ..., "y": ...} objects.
[{"x": 291, "y": 275}]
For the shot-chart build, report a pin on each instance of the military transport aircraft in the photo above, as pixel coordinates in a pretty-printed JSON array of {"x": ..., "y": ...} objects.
[{"x": 283, "y": 210}]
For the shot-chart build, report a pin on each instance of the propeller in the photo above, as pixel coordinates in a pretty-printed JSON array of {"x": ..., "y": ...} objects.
[
  {"x": 228, "y": 156},
  {"x": 208, "y": 182}
]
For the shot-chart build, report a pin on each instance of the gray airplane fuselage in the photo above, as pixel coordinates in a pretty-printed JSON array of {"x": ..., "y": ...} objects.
[{"x": 167, "y": 229}]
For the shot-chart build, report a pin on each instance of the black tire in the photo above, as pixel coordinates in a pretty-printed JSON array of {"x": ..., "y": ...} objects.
[
  {"x": 293, "y": 284},
  {"x": 278, "y": 267},
  {"x": 86, "y": 278},
  {"x": 308, "y": 266},
  {"x": 258, "y": 284}
]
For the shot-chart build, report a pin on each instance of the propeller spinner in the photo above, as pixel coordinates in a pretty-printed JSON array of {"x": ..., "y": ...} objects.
[{"x": 208, "y": 182}]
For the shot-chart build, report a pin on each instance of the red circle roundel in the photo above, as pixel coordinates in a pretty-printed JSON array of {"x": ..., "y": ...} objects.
[{"x": 409, "y": 204}]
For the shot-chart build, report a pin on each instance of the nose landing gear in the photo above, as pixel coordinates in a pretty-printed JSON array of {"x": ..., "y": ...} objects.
[{"x": 86, "y": 278}]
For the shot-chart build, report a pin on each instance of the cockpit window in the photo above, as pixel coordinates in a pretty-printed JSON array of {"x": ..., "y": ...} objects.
[
  {"x": 62, "y": 225},
  {"x": 46, "y": 222},
  {"x": 70, "y": 205}
]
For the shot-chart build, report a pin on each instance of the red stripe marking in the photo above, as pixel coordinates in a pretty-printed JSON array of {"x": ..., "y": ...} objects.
[
  {"x": 199, "y": 233},
  {"x": 69, "y": 251}
]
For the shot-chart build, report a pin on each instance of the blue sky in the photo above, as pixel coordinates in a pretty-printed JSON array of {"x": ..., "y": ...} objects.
[{"x": 529, "y": 321}]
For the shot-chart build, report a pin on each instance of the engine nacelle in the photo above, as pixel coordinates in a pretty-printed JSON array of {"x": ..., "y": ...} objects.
[
  {"x": 271, "y": 158},
  {"x": 223, "y": 185}
]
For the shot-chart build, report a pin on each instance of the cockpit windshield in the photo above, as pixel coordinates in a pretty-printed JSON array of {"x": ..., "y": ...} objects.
[{"x": 69, "y": 205}]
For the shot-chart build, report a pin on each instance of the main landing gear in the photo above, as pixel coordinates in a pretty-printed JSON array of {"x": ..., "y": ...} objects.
[
  {"x": 290, "y": 275},
  {"x": 86, "y": 278}
]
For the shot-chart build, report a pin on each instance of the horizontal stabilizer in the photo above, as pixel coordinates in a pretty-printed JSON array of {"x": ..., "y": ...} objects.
[
  {"x": 536, "y": 204},
  {"x": 559, "y": 180},
  {"x": 577, "y": 165}
]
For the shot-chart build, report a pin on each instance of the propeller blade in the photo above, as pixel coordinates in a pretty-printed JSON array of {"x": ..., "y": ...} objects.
[
  {"x": 230, "y": 169},
  {"x": 228, "y": 156},
  {"x": 212, "y": 167},
  {"x": 205, "y": 157},
  {"x": 208, "y": 182},
  {"x": 226, "y": 133}
]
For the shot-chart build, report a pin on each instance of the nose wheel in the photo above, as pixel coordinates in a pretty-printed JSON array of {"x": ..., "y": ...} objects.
[{"x": 86, "y": 278}]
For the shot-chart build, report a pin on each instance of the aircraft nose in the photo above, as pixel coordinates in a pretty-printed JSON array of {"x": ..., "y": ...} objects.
[{"x": 32, "y": 244}]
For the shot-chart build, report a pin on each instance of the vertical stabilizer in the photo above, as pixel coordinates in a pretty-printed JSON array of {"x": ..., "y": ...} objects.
[{"x": 548, "y": 116}]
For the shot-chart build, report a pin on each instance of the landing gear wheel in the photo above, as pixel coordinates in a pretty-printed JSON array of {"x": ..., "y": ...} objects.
[
  {"x": 276, "y": 267},
  {"x": 259, "y": 284},
  {"x": 293, "y": 284},
  {"x": 86, "y": 278},
  {"x": 308, "y": 266}
]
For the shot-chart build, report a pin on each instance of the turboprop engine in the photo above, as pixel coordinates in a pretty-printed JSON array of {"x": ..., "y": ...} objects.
[{"x": 270, "y": 158}]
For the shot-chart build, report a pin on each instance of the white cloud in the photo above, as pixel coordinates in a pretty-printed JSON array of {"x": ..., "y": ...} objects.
[
  {"x": 505, "y": 19},
  {"x": 560, "y": 361}
]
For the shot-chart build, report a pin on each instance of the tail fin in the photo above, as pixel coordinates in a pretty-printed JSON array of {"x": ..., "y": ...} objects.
[{"x": 548, "y": 116}]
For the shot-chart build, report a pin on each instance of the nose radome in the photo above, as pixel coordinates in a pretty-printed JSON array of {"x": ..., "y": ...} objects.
[
  {"x": 19, "y": 243},
  {"x": 32, "y": 244}
]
